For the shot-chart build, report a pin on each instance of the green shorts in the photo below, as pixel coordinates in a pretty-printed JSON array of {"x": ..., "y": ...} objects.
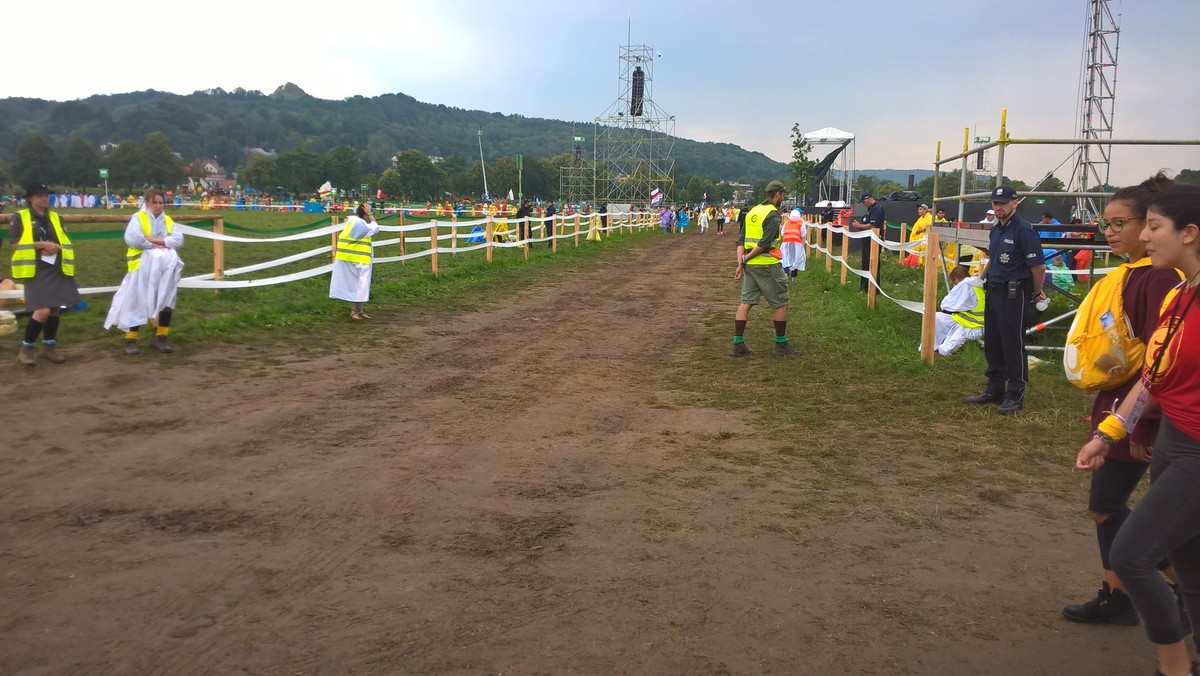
[{"x": 767, "y": 281}]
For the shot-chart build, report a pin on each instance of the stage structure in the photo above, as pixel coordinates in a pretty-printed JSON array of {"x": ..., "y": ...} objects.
[
  {"x": 577, "y": 181},
  {"x": 1099, "y": 82},
  {"x": 634, "y": 138},
  {"x": 834, "y": 174}
]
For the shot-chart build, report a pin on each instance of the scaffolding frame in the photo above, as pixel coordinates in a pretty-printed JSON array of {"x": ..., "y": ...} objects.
[
  {"x": 838, "y": 183},
  {"x": 632, "y": 152},
  {"x": 577, "y": 181},
  {"x": 1099, "y": 83}
]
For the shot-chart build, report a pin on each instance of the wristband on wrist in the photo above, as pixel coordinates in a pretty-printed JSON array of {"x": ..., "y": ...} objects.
[{"x": 1111, "y": 429}]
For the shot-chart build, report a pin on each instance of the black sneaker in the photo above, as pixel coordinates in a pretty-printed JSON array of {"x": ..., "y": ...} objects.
[
  {"x": 785, "y": 349},
  {"x": 1010, "y": 405},
  {"x": 985, "y": 398},
  {"x": 740, "y": 350},
  {"x": 1111, "y": 606}
]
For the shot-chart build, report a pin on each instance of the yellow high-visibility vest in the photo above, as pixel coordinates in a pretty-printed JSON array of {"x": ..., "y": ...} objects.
[
  {"x": 25, "y": 256},
  {"x": 972, "y": 319},
  {"x": 133, "y": 257},
  {"x": 754, "y": 231},
  {"x": 353, "y": 250}
]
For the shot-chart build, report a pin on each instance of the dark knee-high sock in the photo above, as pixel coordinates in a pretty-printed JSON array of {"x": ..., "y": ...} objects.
[
  {"x": 50, "y": 333},
  {"x": 32, "y": 329},
  {"x": 164, "y": 318},
  {"x": 739, "y": 330},
  {"x": 781, "y": 331}
]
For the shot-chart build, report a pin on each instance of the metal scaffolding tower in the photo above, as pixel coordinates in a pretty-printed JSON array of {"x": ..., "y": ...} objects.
[
  {"x": 577, "y": 181},
  {"x": 634, "y": 138},
  {"x": 1099, "y": 82}
]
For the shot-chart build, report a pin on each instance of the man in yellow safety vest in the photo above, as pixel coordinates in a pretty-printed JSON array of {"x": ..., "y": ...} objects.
[{"x": 760, "y": 267}]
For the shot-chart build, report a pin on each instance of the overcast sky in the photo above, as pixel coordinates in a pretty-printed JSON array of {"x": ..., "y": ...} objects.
[{"x": 900, "y": 75}]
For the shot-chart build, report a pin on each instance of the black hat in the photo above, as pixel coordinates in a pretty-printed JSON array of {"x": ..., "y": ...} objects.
[
  {"x": 864, "y": 197},
  {"x": 36, "y": 189},
  {"x": 776, "y": 186},
  {"x": 1003, "y": 194}
]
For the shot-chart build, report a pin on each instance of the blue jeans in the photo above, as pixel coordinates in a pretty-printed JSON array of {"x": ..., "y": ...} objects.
[{"x": 1166, "y": 523}]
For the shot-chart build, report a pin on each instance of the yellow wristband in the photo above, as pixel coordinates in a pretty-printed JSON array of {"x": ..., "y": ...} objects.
[{"x": 1112, "y": 427}]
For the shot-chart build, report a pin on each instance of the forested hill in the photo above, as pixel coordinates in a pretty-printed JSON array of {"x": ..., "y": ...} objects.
[{"x": 220, "y": 124}]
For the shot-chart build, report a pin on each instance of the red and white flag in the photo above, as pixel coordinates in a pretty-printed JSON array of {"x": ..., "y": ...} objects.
[{"x": 656, "y": 197}]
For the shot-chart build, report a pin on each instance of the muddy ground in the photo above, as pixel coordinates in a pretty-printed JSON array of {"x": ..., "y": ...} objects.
[{"x": 520, "y": 488}]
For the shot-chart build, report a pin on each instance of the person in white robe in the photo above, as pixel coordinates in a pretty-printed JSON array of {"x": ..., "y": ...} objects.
[
  {"x": 961, "y": 315},
  {"x": 351, "y": 278},
  {"x": 150, "y": 288}
]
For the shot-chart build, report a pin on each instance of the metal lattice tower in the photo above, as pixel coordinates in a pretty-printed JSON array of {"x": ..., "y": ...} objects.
[
  {"x": 1099, "y": 81},
  {"x": 577, "y": 181},
  {"x": 634, "y": 137}
]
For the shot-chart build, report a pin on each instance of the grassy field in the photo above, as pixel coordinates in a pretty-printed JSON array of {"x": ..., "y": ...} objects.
[{"x": 244, "y": 315}]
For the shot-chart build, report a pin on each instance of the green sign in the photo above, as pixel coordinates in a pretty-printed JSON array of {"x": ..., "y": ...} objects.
[
  {"x": 103, "y": 173},
  {"x": 364, "y": 187},
  {"x": 1041, "y": 201},
  {"x": 579, "y": 139},
  {"x": 983, "y": 139}
]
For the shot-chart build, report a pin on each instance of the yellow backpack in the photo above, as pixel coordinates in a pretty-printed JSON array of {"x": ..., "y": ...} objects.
[{"x": 1102, "y": 351}]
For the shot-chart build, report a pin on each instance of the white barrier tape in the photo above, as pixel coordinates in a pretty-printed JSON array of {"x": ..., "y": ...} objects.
[{"x": 205, "y": 234}]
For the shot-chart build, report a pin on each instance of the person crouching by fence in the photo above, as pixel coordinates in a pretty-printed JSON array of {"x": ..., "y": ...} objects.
[
  {"x": 150, "y": 289},
  {"x": 351, "y": 279},
  {"x": 44, "y": 261}
]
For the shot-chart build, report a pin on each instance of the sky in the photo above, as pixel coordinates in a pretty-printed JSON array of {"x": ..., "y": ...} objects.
[{"x": 899, "y": 76}]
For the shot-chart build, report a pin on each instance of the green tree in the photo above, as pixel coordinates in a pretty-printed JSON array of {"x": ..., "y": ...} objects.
[
  {"x": 162, "y": 167},
  {"x": 801, "y": 165},
  {"x": 391, "y": 184},
  {"x": 502, "y": 176},
  {"x": 1051, "y": 183},
  {"x": 299, "y": 171},
  {"x": 81, "y": 163},
  {"x": 421, "y": 179},
  {"x": 260, "y": 172},
  {"x": 342, "y": 168},
  {"x": 36, "y": 161},
  {"x": 1191, "y": 176},
  {"x": 127, "y": 166}
]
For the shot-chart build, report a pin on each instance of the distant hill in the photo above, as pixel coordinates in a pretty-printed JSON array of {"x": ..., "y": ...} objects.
[
  {"x": 217, "y": 123},
  {"x": 898, "y": 175}
]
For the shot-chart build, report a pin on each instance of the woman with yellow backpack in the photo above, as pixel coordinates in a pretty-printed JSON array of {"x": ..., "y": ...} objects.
[{"x": 1132, "y": 308}]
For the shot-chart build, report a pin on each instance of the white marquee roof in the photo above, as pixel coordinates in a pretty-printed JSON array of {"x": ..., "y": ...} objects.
[{"x": 828, "y": 135}]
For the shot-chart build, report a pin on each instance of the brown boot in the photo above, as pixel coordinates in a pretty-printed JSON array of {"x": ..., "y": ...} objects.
[
  {"x": 50, "y": 354},
  {"x": 26, "y": 356},
  {"x": 160, "y": 344}
]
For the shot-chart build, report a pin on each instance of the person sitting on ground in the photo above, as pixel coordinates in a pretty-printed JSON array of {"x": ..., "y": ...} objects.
[{"x": 961, "y": 316}]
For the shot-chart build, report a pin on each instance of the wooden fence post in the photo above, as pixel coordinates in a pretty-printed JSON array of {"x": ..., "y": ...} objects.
[
  {"x": 576, "y": 231},
  {"x": 488, "y": 233},
  {"x": 433, "y": 246},
  {"x": 829, "y": 250},
  {"x": 874, "y": 265},
  {"x": 929, "y": 298},
  {"x": 218, "y": 251},
  {"x": 554, "y": 234},
  {"x": 333, "y": 238},
  {"x": 903, "y": 239},
  {"x": 402, "y": 252},
  {"x": 454, "y": 235},
  {"x": 845, "y": 254}
]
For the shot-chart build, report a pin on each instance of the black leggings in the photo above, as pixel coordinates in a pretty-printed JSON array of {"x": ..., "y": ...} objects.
[{"x": 1165, "y": 523}]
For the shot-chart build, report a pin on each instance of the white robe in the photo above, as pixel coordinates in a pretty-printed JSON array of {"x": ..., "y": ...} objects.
[
  {"x": 949, "y": 335},
  {"x": 154, "y": 286},
  {"x": 352, "y": 281}
]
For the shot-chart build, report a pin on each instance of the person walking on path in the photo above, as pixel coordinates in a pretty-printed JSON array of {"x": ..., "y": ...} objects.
[
  {"x": 44, "y": 261},
  {"x": 1113, "y": 483},
  {"x": 1013, "y": 279},
  {"x": 351, "y": 278},
  {"x": 760, "y": 267},
  {"x": 1166, "y": 521},
  {"x": 150, "y": 288}
]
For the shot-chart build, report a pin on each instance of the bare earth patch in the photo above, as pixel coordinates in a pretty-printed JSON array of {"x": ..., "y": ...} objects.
[{"x": 518, "y": 489}]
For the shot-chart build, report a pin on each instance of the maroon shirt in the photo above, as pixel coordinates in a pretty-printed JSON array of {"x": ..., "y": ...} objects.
[{"x": 1145, "y": 289}]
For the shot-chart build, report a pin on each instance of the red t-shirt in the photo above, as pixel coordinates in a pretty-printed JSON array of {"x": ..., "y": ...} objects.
[
  {"x": 1145, "y": 289},
  {"x": 1176, "y": 385}
]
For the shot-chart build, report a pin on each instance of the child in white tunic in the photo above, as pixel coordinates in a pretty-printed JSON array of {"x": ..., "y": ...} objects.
[
  {"x": 150, "y": 288},
  {"x": 351, "y": 279}
]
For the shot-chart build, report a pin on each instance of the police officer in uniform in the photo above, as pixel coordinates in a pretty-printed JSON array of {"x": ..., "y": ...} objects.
[
  {"x": 872, "y": 220},
  {"x": 1013, "y": 279}
]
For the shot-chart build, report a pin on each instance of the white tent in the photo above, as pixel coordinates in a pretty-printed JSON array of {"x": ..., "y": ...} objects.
[{"x": 839, "y": 182}]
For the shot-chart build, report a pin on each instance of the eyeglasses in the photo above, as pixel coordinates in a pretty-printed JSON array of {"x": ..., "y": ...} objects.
[{"x": 1116, "y": 224}]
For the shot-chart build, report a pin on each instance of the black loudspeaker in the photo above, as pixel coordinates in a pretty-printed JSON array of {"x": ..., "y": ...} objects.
[{"x": 639, "y": 92}]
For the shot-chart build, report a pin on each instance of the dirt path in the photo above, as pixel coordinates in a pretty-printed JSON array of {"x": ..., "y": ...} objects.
[{"x": 514, "y": 489}]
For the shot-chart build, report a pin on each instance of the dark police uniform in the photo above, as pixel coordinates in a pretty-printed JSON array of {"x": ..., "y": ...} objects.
[
  {"x": 1014, "y": 250},
  {"x": 874, "y": 218}
]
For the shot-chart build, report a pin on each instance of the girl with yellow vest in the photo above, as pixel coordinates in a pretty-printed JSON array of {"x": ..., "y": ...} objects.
[
  {"x": 351, "y": 279},
  {"x": 153, "y": 269},
  {"x": 44, "y": 261}
]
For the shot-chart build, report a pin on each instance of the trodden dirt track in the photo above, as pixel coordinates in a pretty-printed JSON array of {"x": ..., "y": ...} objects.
[{"x": 513, "y": 489}]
